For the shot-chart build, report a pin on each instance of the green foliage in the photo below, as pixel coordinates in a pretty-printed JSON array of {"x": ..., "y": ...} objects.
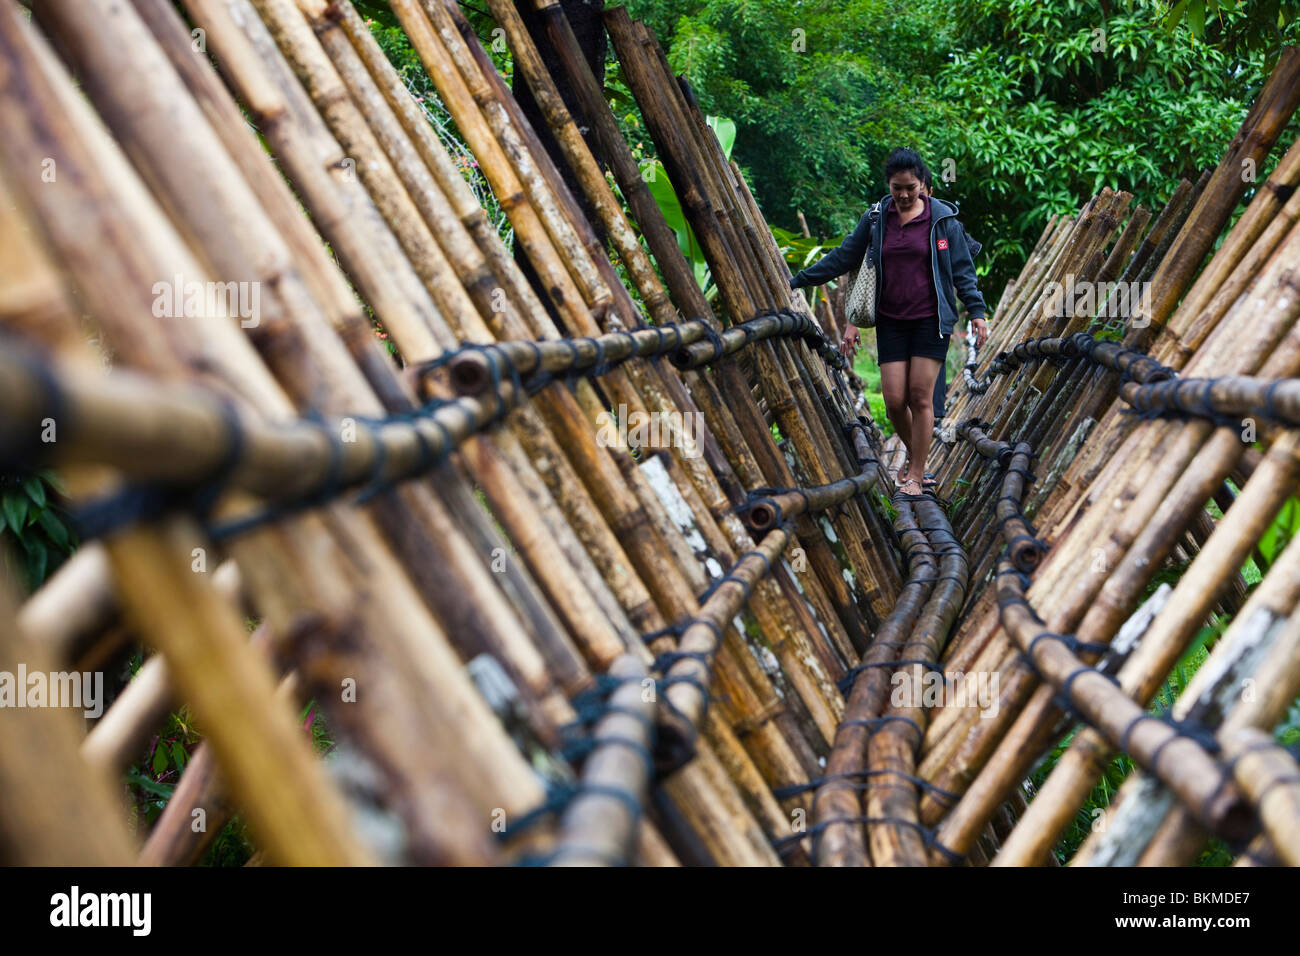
[
  {"x": 151, "y": 781},
  {"x": 868, "y": 369},
  {"x": 152, "y": 778},
  {"x": 820, "y": 92},
  {"x": 1281, "y": 531},
  {"x": 34, "y": 523},
  {"x": 802, "y": 251},
  {"x": 1080, "y": 828},
  {"x": 1048, "y": 102},
  {"x": 397, "y": 47},
  {"x": 1288, "y": 732},
  {"x": 1034, "y": 104},
  {"x": 1259, "y": 25}
]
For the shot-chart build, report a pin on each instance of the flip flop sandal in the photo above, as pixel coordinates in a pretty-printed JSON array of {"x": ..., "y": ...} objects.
[
  {"x": 929, "y": 481},
  {"x": 902, "y": 488}
]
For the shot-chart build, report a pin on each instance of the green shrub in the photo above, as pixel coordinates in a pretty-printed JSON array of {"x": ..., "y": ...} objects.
[{"x": 35, "y": 525}]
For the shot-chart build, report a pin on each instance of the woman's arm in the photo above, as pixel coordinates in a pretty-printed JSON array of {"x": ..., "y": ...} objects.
[
  {"x": 963, "y": 274},
  {"x": 840, "y": 259}
]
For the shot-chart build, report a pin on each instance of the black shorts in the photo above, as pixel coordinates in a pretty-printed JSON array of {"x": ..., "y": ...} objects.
[{"x": 898, "y": 340}]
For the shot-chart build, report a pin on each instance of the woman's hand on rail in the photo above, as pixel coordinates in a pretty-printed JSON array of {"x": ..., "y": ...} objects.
[
  {"x": 849, "y": 345},
  {"x": 981, "y": 328}
]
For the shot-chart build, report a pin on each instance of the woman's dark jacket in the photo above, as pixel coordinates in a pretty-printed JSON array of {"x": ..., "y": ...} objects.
[{"x": 950, "y": 260}]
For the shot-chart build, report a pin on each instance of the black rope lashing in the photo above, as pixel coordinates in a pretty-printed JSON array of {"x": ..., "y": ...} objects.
[
  {"x": 719, "y": 347},
  {"x": 1194, "y": 398},
  {"x": 846, "y": 682},
  {"x": 376, "y": 484},
  {"x": 794, "y": 790},
  {"x": 1070, "y": 641},
  {"x": 927, "y": 834},
  {"x": 581, "y": 747},
  {"x": 1282, "y": 780},
  {"x": 1011, "y": 571},
  {"x": 53, "y": 405},
  {"x": 559, "y": 794},
  {"x": 142, "y": 501},
  {"x": 1131, "y": 364},
  {"x": 147, "y": 501},
  {"x": 873, "y": 724},
  {"x": 595, "y": 368},
  {"x": 1203, "y": 736},
  {"x": 328, "y": 488},
  {"x": 664, "y": 663},
  {"x": 591, "y": 705}
]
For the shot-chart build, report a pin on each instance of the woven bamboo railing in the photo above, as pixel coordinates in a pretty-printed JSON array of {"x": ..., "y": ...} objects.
[{"x": 649, "y": 546}]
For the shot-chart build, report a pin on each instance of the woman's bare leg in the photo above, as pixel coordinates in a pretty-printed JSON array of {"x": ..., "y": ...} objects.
[
  {"x": 921, "y": 375},
  {"x": 893, "y": 386}
]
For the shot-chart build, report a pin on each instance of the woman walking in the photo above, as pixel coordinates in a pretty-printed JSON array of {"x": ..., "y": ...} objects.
[{"x": 920, "y": 252}]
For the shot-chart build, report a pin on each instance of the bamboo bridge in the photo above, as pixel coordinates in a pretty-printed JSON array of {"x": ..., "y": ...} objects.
[{"x": 536, "y": 636}]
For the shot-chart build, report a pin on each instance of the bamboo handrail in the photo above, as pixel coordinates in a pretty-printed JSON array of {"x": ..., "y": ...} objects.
[
  {"x": 1270, "y": 777},
  {"x": 599, "y": 826},
  {"x": 1189, "y": 770}
]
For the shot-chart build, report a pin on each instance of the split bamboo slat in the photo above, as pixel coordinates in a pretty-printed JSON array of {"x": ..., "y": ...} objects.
[{"x": 586, "y": 573}]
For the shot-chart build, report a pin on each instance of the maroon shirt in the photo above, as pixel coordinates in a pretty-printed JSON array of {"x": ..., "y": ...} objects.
[{"x": 907, "y": 291}]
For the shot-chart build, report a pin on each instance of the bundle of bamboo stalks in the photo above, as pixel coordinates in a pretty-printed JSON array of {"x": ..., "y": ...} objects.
[{"x": 539, "y": 631}]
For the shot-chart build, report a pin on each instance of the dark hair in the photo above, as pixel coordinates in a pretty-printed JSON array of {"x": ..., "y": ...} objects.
[{"x": 903, "y": 160}]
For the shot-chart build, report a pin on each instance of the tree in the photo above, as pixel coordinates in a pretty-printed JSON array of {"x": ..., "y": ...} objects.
[
  {"x": 1024, "y": 108},
  {"x": 1047, "y": 101},
  {"x": 820, "y": 93}
]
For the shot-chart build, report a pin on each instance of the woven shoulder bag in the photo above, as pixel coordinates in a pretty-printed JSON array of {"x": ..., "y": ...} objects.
[{"x": 860, "y": 301}]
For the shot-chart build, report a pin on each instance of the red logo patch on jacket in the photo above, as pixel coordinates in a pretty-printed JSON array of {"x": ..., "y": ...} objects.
[{"x": 942, "y": 243}]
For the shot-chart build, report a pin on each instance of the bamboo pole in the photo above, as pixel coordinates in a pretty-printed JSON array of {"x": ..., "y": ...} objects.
[
  {"x": 295, "y": 39},
  {"x": 74, "y": 606},
  {"x": 174, "y": 840},
  {"x": 401, "y": 620},
  {"x": 507, "y": 103},
  {"x": 1145, "y": 670},
  {"x": 1260, "y": 623},
  {"x": 262, "y": 256},
  {"x": 572, "y": 423},
  {"x": 580, "y": 159},
  {"x": 1179, "y": 338},
  {"x": 530, "y": 226},
  {"x": 1269, "y": 776},
  {"x": 777, "y": 472},
  {"x": 599, "y": 827},
  {"x": 299, "y": 43},
  {"x": 597, "y": 192},
  {"x": 894, "y": 829},
  {"x": 1195, "y": 777},
  {"x": 415, "y": 337},
  {"x": 736, "y": 273},
  {"x": 57, "y": 809},
  {"x": 298, "y": 815},
  {"x": 357, "y": 591},
  {"x": 1150, "y": 496},
  {"x": 837, "y": 806}
]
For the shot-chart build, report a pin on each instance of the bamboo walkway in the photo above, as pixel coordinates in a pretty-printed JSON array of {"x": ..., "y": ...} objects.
[{"x": 541, "y": 630}]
